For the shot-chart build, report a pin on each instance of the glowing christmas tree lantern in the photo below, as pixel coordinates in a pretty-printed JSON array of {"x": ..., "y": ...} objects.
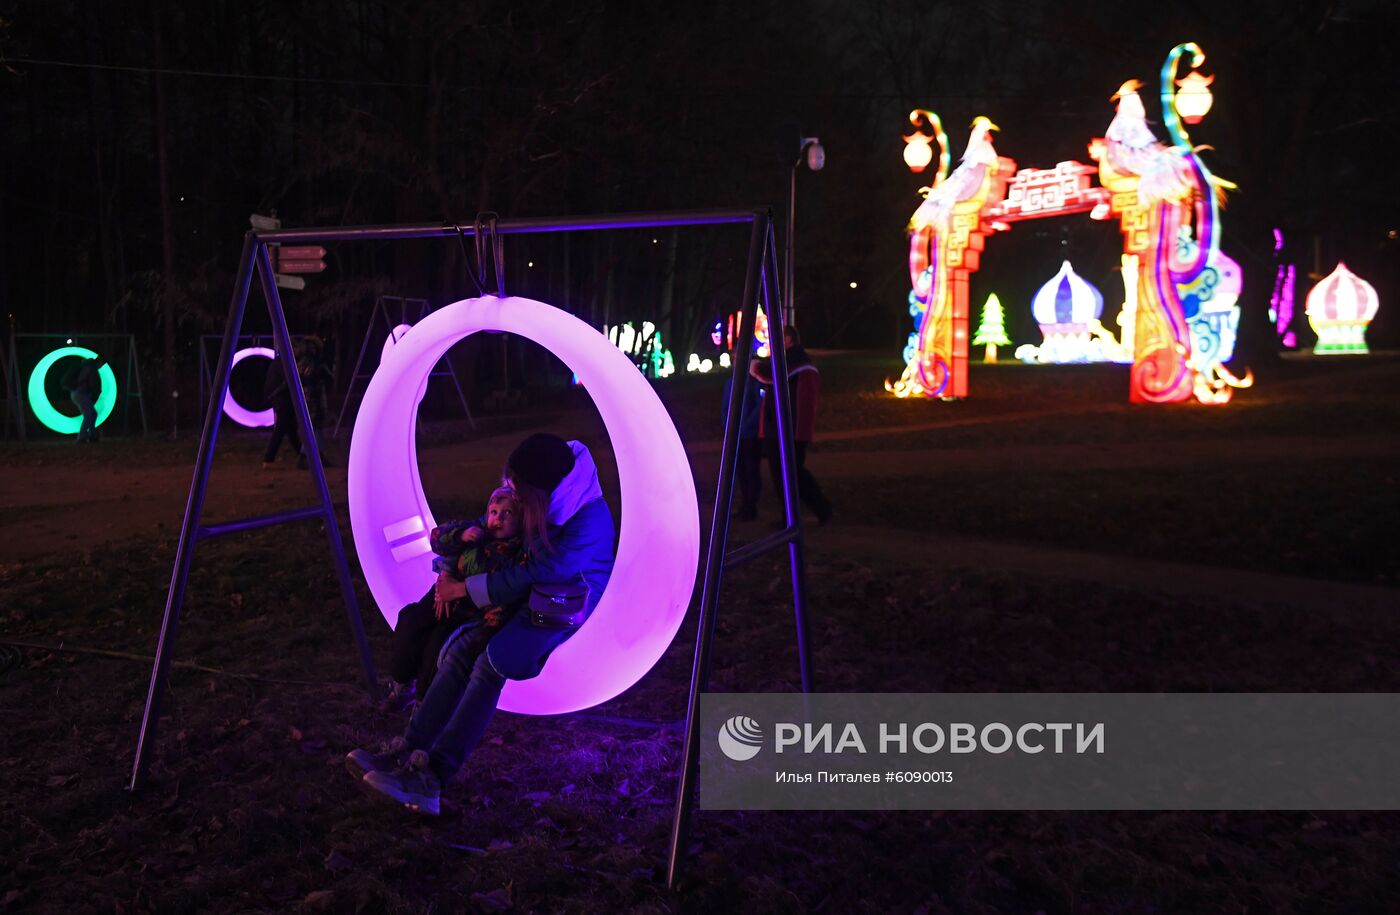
[
  {"x": 1193, "y": 98},
  {"x": 1067, "y": 309},
  {"x": 1339, "y": 308},
  {"x": 991, "y": 330}
]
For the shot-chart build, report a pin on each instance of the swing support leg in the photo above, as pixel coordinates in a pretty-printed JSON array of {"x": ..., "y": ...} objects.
[
  {"x": 191, "y": 531},
  {"x": 760, "y": 274},
  {"x": 189, "y": 528}
]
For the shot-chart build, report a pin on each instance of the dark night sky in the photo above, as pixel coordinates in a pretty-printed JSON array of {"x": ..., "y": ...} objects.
[{"x": 363, "y": 112}]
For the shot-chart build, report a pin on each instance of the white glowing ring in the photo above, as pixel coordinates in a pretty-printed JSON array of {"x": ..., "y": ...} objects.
[
  {"x": 659, "y": 541},
  {"x": 233, "y": 409}
]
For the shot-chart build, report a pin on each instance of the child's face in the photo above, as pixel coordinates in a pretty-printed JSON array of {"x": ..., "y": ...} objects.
[{"x": 503, "y": 519}]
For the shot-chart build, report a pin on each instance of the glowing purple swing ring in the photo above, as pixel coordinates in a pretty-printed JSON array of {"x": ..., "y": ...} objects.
[
  {"x": 237, "y": 412},
  {"x": 658, "y": 546}
]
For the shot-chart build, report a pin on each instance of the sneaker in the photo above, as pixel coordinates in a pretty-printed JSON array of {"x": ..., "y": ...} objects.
[
  {"x": 391, "y": 755},
  {"x": 413, "y": 784},
  {"x": 269, "y": 465}
]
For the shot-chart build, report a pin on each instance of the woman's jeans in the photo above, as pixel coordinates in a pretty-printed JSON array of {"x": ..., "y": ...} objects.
[
  {"x": 453, "y": 715},
  {"x": 84, "y": 402}
]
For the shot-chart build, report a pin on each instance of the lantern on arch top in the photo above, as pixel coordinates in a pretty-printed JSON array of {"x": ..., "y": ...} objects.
[
  {"x": 1339, "y": 309},
  {"x": 917, "y": 152},
  {"x": 1193, "y": 98},
  {"x": 918, "y": 145}
]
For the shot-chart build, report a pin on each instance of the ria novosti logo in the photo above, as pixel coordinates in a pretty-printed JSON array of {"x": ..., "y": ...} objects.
[{"x": 740, "y": 738}]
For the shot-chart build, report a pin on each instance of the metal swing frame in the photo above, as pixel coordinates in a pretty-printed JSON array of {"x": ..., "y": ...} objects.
[
  {"x": 381, "y": 310},
  {"x": 15, "y": 398},
  {"x": 760, "y": 285}
]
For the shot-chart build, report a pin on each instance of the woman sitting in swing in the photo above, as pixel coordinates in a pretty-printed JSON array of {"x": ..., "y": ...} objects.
[{"x": 569, "y": 531}]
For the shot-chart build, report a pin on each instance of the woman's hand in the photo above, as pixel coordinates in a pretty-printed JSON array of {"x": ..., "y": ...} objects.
[
  {"x": 440, "y": 609},
  {"x": 448, "y": 591}
]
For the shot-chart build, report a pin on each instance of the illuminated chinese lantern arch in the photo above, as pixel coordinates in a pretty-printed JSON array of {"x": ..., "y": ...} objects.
[
  {"x": 659, "y": 538},
  {"x": 1178, "y": 313}
]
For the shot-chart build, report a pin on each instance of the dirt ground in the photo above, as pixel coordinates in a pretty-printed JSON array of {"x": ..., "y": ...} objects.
[{"x": 1041, "y": 536}]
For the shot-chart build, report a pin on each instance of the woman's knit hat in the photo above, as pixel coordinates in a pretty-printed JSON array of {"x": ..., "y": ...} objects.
[{"x": 541, "y": 461}]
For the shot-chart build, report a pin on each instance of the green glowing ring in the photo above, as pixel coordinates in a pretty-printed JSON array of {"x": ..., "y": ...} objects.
[{"x": 44, "y": 409}]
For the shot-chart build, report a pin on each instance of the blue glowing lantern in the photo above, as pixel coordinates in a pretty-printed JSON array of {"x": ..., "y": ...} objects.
[
  {"x": 1066, "y": 304},
  {"x": 1068, "y": 309}
]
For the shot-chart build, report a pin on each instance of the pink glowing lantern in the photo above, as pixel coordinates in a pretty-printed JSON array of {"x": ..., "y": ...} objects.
[
  {"x": 1339, "y": 309},
  {"x": 235, "y": 411},
  {"x": 658, "y": 545}
]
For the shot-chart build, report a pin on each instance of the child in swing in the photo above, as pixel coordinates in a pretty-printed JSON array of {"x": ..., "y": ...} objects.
[
  {"x": 463, "y": 548},
  {"x": 569, "y": 532}
]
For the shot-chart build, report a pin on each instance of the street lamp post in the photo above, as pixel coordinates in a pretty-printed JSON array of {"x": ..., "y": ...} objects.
[{"x": 814, "y": 155}]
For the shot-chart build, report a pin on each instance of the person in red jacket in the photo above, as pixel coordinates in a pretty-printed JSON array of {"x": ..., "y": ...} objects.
[{"x": 805, "y": 388}]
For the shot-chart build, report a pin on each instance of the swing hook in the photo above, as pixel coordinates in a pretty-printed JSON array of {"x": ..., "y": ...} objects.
[
  {"x": 472, "y": 271},
  {"x": 485, "y": 229}
]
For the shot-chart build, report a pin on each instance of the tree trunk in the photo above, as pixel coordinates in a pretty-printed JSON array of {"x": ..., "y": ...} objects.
[
  {"x": 665, "y": 319},
  {"x": 97, "y": 119},
  {"x": 167, "y": 284}
]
